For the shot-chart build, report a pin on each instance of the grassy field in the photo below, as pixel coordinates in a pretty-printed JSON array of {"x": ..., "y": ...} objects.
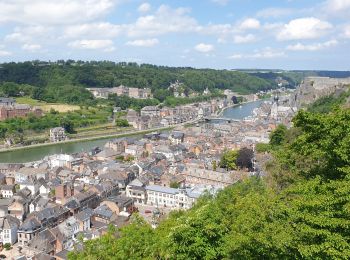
[{"x": 62, "y": 108}]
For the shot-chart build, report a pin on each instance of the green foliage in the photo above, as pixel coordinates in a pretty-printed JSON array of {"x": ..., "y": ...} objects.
[
  {"x": 278, "y": 135},
  {"x": 125, "y": 102},
  {"x": 176, "y": 101},
  {"x": 109, "y": 74},
  {"x": 69, "y": 121},
  {"x": 228, "y": 160},
  {"x": 175, "y": 185},
  {"x": 120, "y": 122},
  {"x": 135, "y": 242},
  {"x": 262, "y": 148},
  {"x": 327, "y": 104},
  {"x": 7, "y": 246}
]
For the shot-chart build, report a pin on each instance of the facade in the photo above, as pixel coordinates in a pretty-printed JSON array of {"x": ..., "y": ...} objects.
[
  {"x": 57, "y": 134},
  {"x": 8, "y": 229},
  {"x": 9, "y": 109}
]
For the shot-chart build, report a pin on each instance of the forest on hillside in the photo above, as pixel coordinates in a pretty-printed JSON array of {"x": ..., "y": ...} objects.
[
  {"x": 299, "y": 209},
  {"x": 42, "y": 80}
]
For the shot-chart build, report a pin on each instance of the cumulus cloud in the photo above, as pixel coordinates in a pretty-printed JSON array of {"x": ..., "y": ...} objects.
[
  {"x": 53, "y": 12},
  {"x": 93, "y": 30},
  {"x": 31, "y": 47},
  {"x": 249, "y": 24},
  {"x": 29, "y": 33},
  {"x": 336, "y": 7},
  {"x": 312, "y": 47},
  {"x": 205, "y": 48},
  {"x": 266, "y": 53},
  {"x": 144, "y": 8},
  {"x": 105, "y": 45},
  {"x": 244, "y": 38},
  {"x": 304, "y": 28},
  {"x": 143, "y": 43},
  {"x": 164, "y": 20}
]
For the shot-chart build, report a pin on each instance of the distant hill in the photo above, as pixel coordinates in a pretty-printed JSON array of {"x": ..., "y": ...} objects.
[{"x": 110, "y": 74}]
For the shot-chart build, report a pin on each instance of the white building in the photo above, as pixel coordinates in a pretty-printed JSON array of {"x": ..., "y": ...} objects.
[
  {"x": 8, "y": 229},
  {"x": 176, "y": 198},
  {"x": 7, "y": 191}
]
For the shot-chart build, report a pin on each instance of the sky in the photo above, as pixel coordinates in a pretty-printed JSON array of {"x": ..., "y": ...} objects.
[{"x": 220, "y": 34}]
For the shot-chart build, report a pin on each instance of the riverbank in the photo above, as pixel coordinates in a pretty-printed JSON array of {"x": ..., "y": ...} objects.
[{"x": 92, "y": 138}]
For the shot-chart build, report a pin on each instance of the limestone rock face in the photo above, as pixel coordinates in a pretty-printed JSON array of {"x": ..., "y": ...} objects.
[{"x": 313, "y": 88}]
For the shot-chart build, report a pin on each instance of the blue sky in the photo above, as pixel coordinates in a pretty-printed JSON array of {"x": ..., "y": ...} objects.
[{"x": 284, "y": 34}]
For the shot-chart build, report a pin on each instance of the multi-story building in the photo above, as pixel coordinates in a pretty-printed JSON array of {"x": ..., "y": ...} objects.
[
  {"x": 8, "y": 229},
  {"x": 18, "y": 110},
  {"x": 57, "y": 134}
]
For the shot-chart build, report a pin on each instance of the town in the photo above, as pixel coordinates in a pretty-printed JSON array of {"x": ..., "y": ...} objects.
[{"x": 50, "y": 206}]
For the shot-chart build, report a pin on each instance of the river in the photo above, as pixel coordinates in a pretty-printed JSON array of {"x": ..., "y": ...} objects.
[{"x": 37, "y": 153}]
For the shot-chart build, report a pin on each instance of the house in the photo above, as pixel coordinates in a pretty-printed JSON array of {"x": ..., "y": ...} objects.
[
  {"x": 28, "y": 173},
  {"x": 28, "y": 230},
  {"x": 104, "y": 214},
  {"x": 63, "y": 192},
  {"x": 8, "y": 229},
  {"x": 7, "y": 191},
  {"x": 152, "y": 111},
  {"x": 119, "y": 177},
  {"x": 183, "y": 198},
  {"x": 39, "y": 203},
  {"x": 44, "y": 188},
  {"x": 19, "y": 207},
  {"x": 57, "y": 134},
  {"x": 81, "y": 201},
  {"x": 177, "y": 137},
  {"x": 44, "y": 242},
  {"x": 119, "y": 204},
  {"x": 31, "y": 185},
  {"x": 136, "y": 190},
  {"x": 84, "y": 219}
]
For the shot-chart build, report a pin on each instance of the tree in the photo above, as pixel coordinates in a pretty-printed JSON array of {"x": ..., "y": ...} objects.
[
  {"x": 278, "y": 135},
  {"x": 228, "y": 160},
  {"x": 68, "y": 126},
  {"x": 120, "y": 122},
  {"x": 245, "y": 158}
]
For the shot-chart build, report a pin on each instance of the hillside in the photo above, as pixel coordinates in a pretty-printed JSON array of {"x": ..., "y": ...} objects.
[{"x": 45, "y": 79}]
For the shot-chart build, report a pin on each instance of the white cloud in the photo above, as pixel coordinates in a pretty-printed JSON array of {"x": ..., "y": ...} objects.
[
  {"x": 347, "y": 31},
  {"x": 30, "y": 33},
  {"x": 221, "y": 2},
  {"x": 249, "y": 24},
  {"x": 266, "y": 53},
  {"x": 274, "y": 12},
  {"x": 31, "y": 47},
  {"x": 336, "y": 7},
  {"x": 105, "y": 45},
  {"x": 164, "y": 20},
  {"x": 304, "y": 28},
  {"x": 53, "y": 12},
  {"x": 312, "y": 47},
  {"x": 93, "y": 30},
  {"x": 244, "y": 39},
  {"x": 4, "y": 53},
  {"x": 143, "y": 43},
  {"x": 144, "y": 8},
  {"x": 205, "y": 48}
]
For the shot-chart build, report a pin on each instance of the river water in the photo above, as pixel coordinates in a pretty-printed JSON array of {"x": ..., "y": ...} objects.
[{"x": 37, "y": 153}]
